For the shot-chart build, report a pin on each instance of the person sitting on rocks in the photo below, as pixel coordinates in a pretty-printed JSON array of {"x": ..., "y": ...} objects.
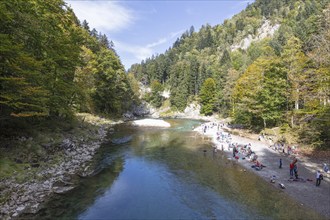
[
  {"x": 249, "y": 152},
  {"x": 243, "y": 149},
  {"x": 258, "y": 165},
  {"x": 254, "y": 157}
]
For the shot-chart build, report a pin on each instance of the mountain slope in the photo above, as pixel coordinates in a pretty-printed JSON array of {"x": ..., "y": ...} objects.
[{"x": 270, "y": 42}]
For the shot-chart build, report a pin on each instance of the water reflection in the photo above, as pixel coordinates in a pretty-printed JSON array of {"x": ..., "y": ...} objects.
[
  {"x": 68, "y": 206},
  {"x": 170, "y": 174}
]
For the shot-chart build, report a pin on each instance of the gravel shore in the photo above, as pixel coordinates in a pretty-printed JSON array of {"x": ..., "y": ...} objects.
[{"x": 303, "y": 191}]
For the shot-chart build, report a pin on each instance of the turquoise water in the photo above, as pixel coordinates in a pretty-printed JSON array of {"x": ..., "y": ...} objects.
[{"x": 170, "y": 173}]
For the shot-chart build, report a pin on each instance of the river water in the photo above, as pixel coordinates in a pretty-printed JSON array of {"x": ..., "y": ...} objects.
[{"x": 170, "y": 173}]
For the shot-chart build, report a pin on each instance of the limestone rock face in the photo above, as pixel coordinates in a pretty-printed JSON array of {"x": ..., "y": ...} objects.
[
  {"x": 266, "y": 30},
  {"x": 192, "y": 110},
  {"x": 28, "y": 197},
  {"x": 138, "y": 111}
]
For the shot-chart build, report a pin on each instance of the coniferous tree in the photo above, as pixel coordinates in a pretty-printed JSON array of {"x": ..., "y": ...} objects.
[
  {"x": 207, "y": 95},
  {"x": 156, "y": 94},
  {"x": 244, "y": 76}
]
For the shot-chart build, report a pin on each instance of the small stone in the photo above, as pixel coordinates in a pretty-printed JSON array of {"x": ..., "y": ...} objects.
[
  {"x": 61, "y": 190},
  {"x": 20, "y": 208},
  {"x": 41, "y": 198},
  {"x": 11, "y": 203},
  {"x": 24, "y": 199},
  {"x": 14, "y": 196}
]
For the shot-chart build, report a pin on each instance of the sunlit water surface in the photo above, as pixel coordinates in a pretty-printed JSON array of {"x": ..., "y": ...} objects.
[{"x": 170, "y": 173}]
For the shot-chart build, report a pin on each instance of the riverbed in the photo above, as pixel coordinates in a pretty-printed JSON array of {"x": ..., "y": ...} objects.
[{"x": 170, "y": 173}]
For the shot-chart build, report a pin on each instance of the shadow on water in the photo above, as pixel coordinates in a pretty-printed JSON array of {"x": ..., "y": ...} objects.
[
  {"x": 182, "y": 170},
  {"x": 69, "y": 205}
]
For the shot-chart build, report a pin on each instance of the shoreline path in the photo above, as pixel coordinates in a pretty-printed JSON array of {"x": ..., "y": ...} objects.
[{"x": 304, "y": 191}]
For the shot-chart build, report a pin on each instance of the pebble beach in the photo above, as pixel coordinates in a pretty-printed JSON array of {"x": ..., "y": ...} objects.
[{"x": 303, "y": 189}]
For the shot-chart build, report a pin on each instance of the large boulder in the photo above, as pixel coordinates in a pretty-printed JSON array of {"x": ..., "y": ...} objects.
[
  {"x": 140, "y": 110},
  {"x": 192, "y": 110}
]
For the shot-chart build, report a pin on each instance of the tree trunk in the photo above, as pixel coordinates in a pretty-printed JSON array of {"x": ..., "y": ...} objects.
[{"x": 296, "y": 103}]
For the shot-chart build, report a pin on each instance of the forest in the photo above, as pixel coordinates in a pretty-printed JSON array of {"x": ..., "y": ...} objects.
[
  {"x": 65, "y": 98},
  {"x": 53, "y": 65},
  {"x": 278, "y": 80}
]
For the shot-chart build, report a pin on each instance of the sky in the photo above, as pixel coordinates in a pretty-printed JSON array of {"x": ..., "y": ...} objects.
[{"x": 140, "y": 29}]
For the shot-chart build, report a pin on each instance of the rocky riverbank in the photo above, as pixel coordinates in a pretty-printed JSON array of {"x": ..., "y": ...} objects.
[{"x": 69, "y": 161}]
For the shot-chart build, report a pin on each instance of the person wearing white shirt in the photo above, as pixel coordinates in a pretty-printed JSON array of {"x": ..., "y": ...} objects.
[{"x": 319, "y": 177}]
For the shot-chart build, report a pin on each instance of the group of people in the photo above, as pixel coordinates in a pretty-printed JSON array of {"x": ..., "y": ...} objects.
[
  {"x": 243, "y": 151},
  {"x": 280, "y": 147},
  {"x": 293, "y": 167},
  {"x": 246, "y": 152}
]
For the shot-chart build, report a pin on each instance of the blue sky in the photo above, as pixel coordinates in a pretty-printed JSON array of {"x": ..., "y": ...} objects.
[{"x": 142, "y": 28}]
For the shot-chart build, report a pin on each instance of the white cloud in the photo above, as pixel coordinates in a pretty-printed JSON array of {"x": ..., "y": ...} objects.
[
  {"x": 103, "y": 15},
  {"x": 159, "y": 42},
  {"x": 174, "y": 34},
  {"x": 142, "y": 52},
  {"x": 165, "y": 39},
  {"x": 137, "y": 53}
]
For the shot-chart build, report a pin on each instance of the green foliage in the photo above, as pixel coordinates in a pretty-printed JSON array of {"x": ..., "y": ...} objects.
[
  {"x": 156, "y": 98},
  {"x": 179, "y": 89},
  {"x": 294, "y": 60},
  {"x": 134, "y": 86},
  {"x": 271, "y": 100},
  {"x": 207, "y": 96},
  {"x": 111, "y": 85},
  {"x": 41, "y": 48},
  {"x": 85, "y": 80},
  {"x": 321, "y": 123},
  {"x": 51, "y": 66},
  {"x": 260, "y": 94},
  {"x": 278, "y": 79}
]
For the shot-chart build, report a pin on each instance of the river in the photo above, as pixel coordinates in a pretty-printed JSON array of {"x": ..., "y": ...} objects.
[{"x": 170, "y": 173}]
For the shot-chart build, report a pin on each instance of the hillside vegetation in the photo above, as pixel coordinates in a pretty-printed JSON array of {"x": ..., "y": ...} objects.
[
  {"x": 267, "y": 66},
  {"x": 52, "y": 66}
]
